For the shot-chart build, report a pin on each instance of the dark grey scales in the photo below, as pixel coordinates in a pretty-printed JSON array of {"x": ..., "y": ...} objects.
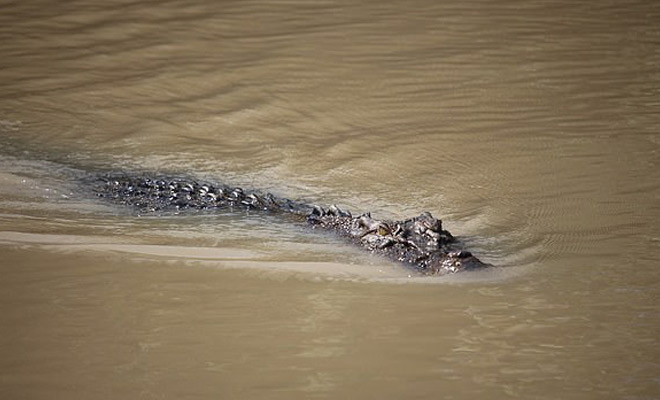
[{"x": 418, "y": 242}]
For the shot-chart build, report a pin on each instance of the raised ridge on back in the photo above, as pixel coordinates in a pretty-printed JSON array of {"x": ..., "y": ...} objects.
[{"x": 418, "y": 242}]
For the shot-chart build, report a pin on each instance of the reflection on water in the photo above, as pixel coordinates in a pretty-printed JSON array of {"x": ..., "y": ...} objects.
[{"x": 531, "y": 128}]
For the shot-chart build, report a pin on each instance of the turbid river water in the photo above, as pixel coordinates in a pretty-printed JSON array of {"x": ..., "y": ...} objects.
[{"x": 532, "y": 128}]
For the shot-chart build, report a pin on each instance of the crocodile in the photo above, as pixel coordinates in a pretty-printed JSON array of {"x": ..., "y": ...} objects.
[{"x": 419, "y": 242}]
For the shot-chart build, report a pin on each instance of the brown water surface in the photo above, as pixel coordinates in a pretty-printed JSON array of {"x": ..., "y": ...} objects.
[{"x": 532, "y": 128}]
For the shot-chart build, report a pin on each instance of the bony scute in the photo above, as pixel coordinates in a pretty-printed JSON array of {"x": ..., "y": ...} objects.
[{"x": 419, "y": 242}]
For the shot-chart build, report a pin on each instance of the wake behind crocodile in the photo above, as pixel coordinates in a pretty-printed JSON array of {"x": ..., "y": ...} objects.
[{"x": 418, "y": 242}]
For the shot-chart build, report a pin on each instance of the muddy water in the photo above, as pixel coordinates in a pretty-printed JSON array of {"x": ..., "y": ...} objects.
[{"x": 531, "y": 128}]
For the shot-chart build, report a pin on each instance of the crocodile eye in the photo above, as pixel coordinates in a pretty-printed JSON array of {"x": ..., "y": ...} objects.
[{"x": 383, "y": 231}]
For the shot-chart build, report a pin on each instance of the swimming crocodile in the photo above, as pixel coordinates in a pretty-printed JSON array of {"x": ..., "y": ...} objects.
[{"x": 418, "y": 242}]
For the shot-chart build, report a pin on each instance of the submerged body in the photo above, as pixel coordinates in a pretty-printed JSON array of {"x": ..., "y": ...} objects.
[{"x": 418, "y": 242}]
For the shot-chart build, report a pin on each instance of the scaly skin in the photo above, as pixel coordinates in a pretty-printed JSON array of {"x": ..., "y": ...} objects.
[{"x": 419, "y": 242}]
